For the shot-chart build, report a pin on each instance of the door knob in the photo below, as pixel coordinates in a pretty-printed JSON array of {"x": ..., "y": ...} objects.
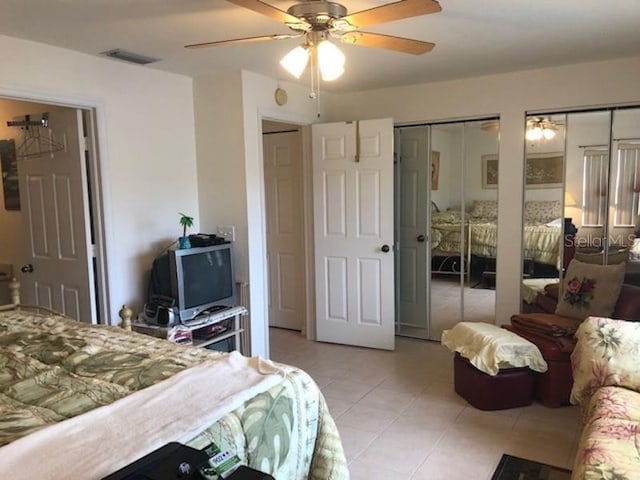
[
  {"x": 421, "y": 238},
  {"x": 385, "y": 248},
  {"x": 28, "y": 268}
]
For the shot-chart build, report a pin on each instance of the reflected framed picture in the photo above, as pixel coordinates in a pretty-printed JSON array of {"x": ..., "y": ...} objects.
[
  {"x": 545, "y": 170},
  {"x": 489, "y": 171},
  {"x": 435, "y": 169},
  {"x": 9, "y": 166}
]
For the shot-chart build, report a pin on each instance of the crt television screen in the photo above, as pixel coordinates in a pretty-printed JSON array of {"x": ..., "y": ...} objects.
[{"x": 207, "y": 277}]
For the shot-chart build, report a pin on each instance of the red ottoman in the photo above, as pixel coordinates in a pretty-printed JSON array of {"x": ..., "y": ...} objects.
[
  {"x": 510, "y": 388},
  {"x": 553, "y": 387}
]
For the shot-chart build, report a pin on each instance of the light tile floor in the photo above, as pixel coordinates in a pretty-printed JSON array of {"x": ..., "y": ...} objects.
[{"x": 400, "y": 419}]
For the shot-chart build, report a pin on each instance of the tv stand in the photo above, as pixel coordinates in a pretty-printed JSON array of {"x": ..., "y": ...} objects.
[{"x": 202, "y": 330}]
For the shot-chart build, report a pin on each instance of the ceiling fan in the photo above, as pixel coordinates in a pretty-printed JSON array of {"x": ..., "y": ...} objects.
[{"x": 319, "y": 20}]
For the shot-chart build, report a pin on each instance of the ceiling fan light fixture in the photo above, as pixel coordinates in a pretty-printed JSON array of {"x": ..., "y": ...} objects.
[
  {"x": 548, "y": 133},
  {"x": 296, "y": 61},
  {"x": 539, "y": 128},
  {"x": 330, "y": 61},
  {"x": 534, "y": 133}
]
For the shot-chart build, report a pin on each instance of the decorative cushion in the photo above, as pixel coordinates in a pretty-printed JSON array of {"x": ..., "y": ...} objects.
[
  {"x": 542, "y": 211},
  {"x": 590, "y": 290},
  {"x": 606, "y": 354},
  {"x": 484, "y": 209}
]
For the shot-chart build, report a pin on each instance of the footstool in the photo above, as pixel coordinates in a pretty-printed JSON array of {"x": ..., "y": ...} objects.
[{"x": 492, "y": 366}]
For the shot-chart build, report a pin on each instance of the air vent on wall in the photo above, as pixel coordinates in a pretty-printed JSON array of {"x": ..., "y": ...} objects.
[{"x": 129, "y": 56}]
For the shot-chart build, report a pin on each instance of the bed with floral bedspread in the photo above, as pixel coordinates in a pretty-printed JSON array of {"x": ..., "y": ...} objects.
[{"x": 60, "y": 377}]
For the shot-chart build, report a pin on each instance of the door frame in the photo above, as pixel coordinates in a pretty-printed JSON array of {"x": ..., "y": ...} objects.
[
  {"x": 309, "y": 323},
  {"x": 93, "y": 110}
]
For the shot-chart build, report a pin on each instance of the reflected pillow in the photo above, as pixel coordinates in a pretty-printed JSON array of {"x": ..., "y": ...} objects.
[
  {"x": 542, "y": 211},
  {"x": 590, "y": 290},
  {"x": 484, "y": 209},
  {"x": 557, "y": 222}
]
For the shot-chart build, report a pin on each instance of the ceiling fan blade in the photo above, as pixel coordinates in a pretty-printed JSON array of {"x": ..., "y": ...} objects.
[
  {"x": 377, "y": 40},
  {"x": 275, "y": 36},
  {"x": 273, "y": 12},
  {"x": 391, "y": 12}
]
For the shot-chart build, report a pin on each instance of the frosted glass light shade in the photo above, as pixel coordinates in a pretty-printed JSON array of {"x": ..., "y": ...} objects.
[
  {"x": 534, "y": 133},
  {"x": 296, "y": 61},
  {"x": 548, "y": 133},
  {"x": 330, "y": 61}
]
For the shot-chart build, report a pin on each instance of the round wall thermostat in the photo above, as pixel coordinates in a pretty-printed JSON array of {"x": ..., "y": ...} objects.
[{"x": 281, "y": 96}]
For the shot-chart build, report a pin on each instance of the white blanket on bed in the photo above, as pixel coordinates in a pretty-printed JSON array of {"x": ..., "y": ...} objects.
[{"x": 101, "y": 441}]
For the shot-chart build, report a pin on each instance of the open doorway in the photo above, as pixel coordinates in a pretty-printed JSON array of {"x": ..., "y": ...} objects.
[{"x": 50, "y": 212}]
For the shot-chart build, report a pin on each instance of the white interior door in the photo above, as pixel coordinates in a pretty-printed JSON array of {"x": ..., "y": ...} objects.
[
  {"x": 285, "y": 240},
  {"x": 53, "y": 194},
  {"x": 353, "y": 232},
  {"x": 414, "y": 170}
]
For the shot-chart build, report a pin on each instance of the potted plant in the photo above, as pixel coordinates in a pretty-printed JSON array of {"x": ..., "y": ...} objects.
[{"x": 186, "y": 221}]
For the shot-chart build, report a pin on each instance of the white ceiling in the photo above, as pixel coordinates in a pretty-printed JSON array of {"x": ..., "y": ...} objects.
[{"x": 472, "y": 37}]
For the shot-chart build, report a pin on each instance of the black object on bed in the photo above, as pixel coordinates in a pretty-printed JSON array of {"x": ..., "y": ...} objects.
[{"x": 170, "y": 462}]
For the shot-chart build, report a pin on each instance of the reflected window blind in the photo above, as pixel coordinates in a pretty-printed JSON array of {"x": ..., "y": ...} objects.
[
  {"x": 627, "y": 193},
  {"x": 594, "y": 189}
]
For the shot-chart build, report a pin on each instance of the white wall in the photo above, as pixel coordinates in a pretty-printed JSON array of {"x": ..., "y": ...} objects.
[
  {"x": 146, "y": 140},
  {"x": 229, "y": 110},
  {"x": 509, "y": 96}
]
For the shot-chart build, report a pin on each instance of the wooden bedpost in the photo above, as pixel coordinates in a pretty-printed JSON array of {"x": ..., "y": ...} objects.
[
  {"x": 14, "y": 291},
  {"x": 125, "y": 314}
]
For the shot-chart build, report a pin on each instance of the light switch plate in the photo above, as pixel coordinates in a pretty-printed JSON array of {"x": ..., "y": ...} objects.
[{"x": 228, "y": 232}]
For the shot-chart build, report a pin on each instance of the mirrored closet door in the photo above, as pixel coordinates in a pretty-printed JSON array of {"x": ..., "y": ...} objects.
[
  {"x": 446, "y": 230},
  {"x": 599, "y": 193}
]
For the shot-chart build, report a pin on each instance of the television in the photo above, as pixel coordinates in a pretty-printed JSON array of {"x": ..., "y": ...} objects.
[{"x": 198, "y": 279}]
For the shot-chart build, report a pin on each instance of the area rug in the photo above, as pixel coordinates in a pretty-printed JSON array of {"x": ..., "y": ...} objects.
[{"x": 515, "y": 468}]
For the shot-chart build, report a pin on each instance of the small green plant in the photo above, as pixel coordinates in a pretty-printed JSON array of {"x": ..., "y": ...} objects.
[{"x": 186, "y": 221}]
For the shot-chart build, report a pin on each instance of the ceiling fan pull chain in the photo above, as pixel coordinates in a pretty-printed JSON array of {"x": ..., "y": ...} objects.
[{"x": 357, "y": 155}]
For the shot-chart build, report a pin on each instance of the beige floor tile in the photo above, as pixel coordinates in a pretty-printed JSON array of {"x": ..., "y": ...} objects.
[
  {"x": 337, "y": 407},
  {"x": 363, "y": 470},
  {"x": 403, "y": 446},
  {"x": 366, "y": 418},
  {"x": 447, "y": 465},
  {"x": 347, "y": 390},
  {"x": 387, "y": 399},
  {"x": 355, "y": 441}
]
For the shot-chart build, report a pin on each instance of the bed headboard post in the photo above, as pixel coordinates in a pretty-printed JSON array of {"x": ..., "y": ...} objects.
[
  {"x": 14, "y": 291},
  {"x": 125, "y": 315}
]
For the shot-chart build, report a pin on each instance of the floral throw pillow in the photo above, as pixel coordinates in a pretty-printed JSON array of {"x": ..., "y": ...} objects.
[
  {"x": 590, "y": 290},
  {"x": 484, "y": 209}
]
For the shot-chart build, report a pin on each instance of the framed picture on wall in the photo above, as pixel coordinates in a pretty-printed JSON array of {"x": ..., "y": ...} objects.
[
  {"x": 544, "y": 170},
  {"x": 490, "y": 171},
  {"x": 9, "y": 166},
  {"x": 435, "y": 169}
]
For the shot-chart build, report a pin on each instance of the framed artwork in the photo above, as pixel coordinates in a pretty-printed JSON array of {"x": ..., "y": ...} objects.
[
  {"x": 545, "y": 170},
  {"x": 489, "y": 171},
  {"x": 435, "y": 169},
  {"x": 9, "y": 166}
]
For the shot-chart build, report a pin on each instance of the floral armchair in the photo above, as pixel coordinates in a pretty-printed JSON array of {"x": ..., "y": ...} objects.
[{"x": 607, "y": 385}]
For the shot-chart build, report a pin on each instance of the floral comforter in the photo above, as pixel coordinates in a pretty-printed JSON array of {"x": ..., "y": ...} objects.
[
  {"x": 607, "y": 386},
  {"x": 54, "y": 369},
  {"x": 541, "y": 242}
]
